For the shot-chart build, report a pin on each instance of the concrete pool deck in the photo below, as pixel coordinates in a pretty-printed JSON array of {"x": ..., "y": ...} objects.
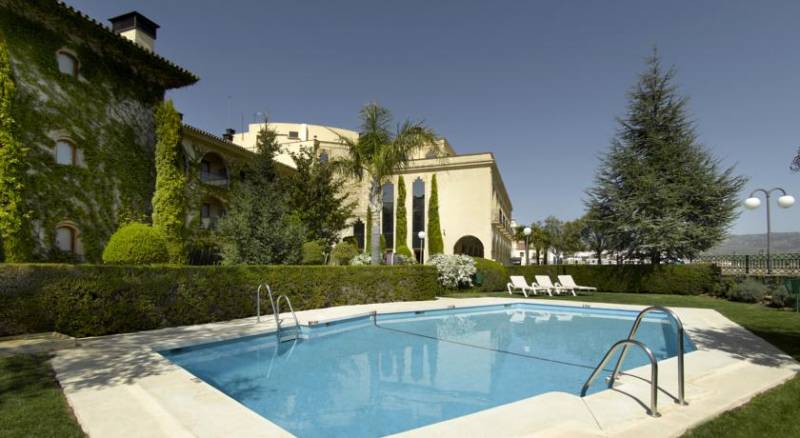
[{"x": 119, "y": 386}]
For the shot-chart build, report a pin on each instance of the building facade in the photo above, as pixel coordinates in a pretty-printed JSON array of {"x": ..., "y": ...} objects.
[{"x": 474, "y": 206}]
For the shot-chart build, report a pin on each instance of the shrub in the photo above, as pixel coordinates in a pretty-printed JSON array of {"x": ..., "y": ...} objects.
[
  {"x": 204, "y": 250},
  {"x": 692, "y": 279},
  {"x": 361, "y": 260},
  {"x": 491, "y": 276},
  {"x": 748, "y": 291},
  {"x": 313, "y": 253},
  {"x": 402, "y": 259},
  {"x": 136, "y": 244},
  {"x": 455, "y": 271},
  {"x": 93, "y": 300},
  {"x": 780, "y": 297},
  {"x": 343, "y": 253}
]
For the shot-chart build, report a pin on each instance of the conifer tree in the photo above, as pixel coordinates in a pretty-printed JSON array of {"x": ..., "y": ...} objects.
[
  {"x": 401, "y": 220},
  {"x": 169, "y": 199},
  {"x": 660, "y": 193},
  {"x": 435, "y": 243}
]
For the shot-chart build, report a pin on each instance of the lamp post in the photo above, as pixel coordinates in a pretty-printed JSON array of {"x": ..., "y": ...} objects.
[
  {"x": 753, "y": 202},
  {"x": 527, "y": 233},
  {"x": 421, "y": 236}
]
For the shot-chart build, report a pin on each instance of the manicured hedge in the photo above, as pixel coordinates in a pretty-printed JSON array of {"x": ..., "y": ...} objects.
[
  {"x": 661, "y": 279},
  {"x": 493, "y": 275},
  {"x": 91, "y": 300}
]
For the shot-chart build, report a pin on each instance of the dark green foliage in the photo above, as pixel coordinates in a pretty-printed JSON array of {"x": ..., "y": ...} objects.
[
  {"x": 260, "y": 227},
  {"x": 493, "y": 275},
  {"x": 780, "y": 297},
  {"x": 748, "y": 291},
  {"x": 368, "y": 232},
  {"x": 92, "y": 300},
  {"x": 203, "y": 248},
  {"x": 434, "y": 237},
  {"x": 660, "y": 192},
  {"x": 401, "y": 220},
  {"x": 169, "y": 199},
  {"x": 136, "y": 244},
  {"x": 314, "y": 253},
  {"x": 343, "y": 253},
  {"x": 654, "y": 279},
  {"x": 315, "y": 194}
]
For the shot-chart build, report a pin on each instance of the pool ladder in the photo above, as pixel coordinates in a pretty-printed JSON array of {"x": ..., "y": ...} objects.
[
  {"x": 276, "y": 311},
  {"x": 625, "y": 343}
]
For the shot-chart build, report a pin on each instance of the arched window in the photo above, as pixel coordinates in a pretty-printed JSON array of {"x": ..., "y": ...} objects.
[
  {"x": 387, "y": 221},
  {"x": 66, "y": 153},
  {"x": 211, "y": 210},
  {"x": 67, "y": 239},
  {"x": 213, "y": 169},
  {"x": 469, "y": 245},
  {"x": 67, "y": 63},
  {"x": 417, "y": 217},
  {"x": 323, "y": 157}
]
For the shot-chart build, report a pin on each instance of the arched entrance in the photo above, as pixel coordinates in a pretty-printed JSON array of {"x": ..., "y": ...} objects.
[{"x": 469, "y": 245}]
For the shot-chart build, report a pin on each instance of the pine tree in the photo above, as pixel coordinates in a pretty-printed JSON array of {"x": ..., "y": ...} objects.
[
  {"x": 435, "y": 243},
  {"x": 169, "y": 199},
  {"x": 401, "y": 220},
  {"x": 663, "y": 196}
]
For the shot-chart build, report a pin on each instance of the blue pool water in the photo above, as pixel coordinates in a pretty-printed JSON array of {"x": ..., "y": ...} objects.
[{"x": 364, "y": 378}]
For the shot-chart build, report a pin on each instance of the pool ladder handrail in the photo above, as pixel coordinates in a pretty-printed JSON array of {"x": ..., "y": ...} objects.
[
  {"x": 625, "y": 343},
  {"x": 276, "y": 306},
  {"x": 653, "y": 371}
]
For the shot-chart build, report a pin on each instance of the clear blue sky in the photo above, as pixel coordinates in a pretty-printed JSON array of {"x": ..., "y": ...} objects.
[{"x": 538, "y": 84}]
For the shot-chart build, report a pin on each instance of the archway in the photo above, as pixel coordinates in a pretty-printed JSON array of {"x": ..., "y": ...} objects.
[{"x": 469, "y": 245}]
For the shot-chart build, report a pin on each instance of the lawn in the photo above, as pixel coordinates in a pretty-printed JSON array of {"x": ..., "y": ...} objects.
[
  {"x": 31, "y": 401},
  {"x": 773, "y": 413}
]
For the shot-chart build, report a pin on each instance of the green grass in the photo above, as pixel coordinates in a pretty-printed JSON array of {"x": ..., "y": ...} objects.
[
  {"x": 31, "y": 401},
  {"x": 773, "y": 413}
]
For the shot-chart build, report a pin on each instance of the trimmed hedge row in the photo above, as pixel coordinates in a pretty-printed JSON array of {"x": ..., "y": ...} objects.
[
  {"x": 92, "y": 300},
  {"x": 655, "y": 279}
]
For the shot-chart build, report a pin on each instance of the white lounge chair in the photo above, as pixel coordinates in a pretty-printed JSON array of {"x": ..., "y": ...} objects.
[
  {"x": 544, "y": 281},
  {"x": 568, "y": 282},
  {"x": 518, "y": 282}
]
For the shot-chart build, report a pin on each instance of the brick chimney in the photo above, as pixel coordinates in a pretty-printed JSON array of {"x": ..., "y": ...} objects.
[{"x": 137, "y": 28}]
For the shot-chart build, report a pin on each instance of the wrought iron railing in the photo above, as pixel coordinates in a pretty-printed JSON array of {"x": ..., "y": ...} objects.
[{"x": 782, "y": 264}]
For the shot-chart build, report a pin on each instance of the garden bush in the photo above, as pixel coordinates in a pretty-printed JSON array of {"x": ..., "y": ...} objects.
[
  {"x": 361, "y": 260},
  {"x": 748, "y": 291},
  {"x": 780, "y": 297},
  {"x": 343, "y": 253},
  {"x": 402, "y": 259},
  {"x": 92, "y": 300},
  {"x": 455, "y": 271},
  {"x": 136, "y": 244},
  {"x": 490, "y": 276},
  {"x": 313, "y": 253},
  {"x": 655, "y": 279}
]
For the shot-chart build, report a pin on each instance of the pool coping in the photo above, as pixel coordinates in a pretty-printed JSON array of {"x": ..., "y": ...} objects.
[{"x": 119, "y": 385}]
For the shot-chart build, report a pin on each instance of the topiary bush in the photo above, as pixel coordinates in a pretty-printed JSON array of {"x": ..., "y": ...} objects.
[
  {"x": 748, "y": 291},
  {"x": 313, "y": 253},
  {"x": 491, "y": 276},
  {"x": 343, "y": 253},
  {"x": 136, "y": 244}
]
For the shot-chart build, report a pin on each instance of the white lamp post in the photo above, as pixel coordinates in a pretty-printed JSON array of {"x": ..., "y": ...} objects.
[
  {"x": 753, "y": 202},
  {"x": 527, "y": 233},
  {"x": 421, "y": 236}
]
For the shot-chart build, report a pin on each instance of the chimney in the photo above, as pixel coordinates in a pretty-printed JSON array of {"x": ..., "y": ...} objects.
[
  {"x": 137, "y": 28},
  {"x": 228, "y": 135}
]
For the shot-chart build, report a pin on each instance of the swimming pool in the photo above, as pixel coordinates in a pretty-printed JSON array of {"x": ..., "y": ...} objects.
[{"x": 374, "y": 376}]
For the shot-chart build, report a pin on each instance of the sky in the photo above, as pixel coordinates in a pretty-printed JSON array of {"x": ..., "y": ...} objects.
[{"x": 538, "y": 84}]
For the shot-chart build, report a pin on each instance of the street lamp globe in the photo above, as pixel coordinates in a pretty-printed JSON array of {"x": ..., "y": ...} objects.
[
  {"x": 527, "y": 231},
  {"x": 752, "y": 203},
  {"x": 786, "y": 201},
  {"x": 421, "y": 235}
]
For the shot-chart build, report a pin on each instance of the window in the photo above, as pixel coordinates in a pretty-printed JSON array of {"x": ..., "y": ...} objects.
[
  {"x": 67, "y": 63},
  {"x": 323, "y": 157},
  {"x": 206, "y": 210},
  {"x": 66, "y": 153},
  {"x": 67, "y": 239},
  {"x": 294, "y": 134}
]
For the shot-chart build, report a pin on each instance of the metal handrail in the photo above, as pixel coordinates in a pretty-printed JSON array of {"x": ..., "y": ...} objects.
[
  {"x": 289, "y": 303},
  {"x": 653, "y": 371},
  {"x": 632, "y": 334}
]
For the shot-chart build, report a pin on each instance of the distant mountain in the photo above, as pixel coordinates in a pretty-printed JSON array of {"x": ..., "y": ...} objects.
[{"x": 757, "y": 243}]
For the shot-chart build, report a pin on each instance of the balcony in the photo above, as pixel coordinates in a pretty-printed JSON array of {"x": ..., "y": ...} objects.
[{"x": 219, "y": 178}]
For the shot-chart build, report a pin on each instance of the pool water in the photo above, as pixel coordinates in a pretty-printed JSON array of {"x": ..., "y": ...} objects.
[{"x": 367, "y": 377}]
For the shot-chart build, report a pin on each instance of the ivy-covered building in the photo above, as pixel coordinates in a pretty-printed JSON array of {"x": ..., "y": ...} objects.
[{"x": 78, "y": 127}]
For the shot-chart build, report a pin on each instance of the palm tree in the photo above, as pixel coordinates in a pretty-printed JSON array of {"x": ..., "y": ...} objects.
[{"x": 379, "y": 153}]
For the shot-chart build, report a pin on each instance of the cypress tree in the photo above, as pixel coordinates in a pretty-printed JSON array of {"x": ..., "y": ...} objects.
[
  {"x": 435, "y": 243},
  {"x": 15, "y": 234},
  {"x": 659, "y": 192},
  {"x": 169, "y": 199},
  {"x": 368, "y": 233},
  {"x": 401, "y": 220}
]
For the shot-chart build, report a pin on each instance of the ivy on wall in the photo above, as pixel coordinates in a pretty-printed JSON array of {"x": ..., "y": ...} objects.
[
  {"x": 169, "y": 199},
  {"x": 401, "y": 219},
  {"x": 105, "y": 114},
  {"x": 14, "y": 214},
  {"x": 435, "y": 243}
]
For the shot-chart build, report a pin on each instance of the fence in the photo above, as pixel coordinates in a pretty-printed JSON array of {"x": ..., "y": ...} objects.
[{"x": 782, "y": 264}]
